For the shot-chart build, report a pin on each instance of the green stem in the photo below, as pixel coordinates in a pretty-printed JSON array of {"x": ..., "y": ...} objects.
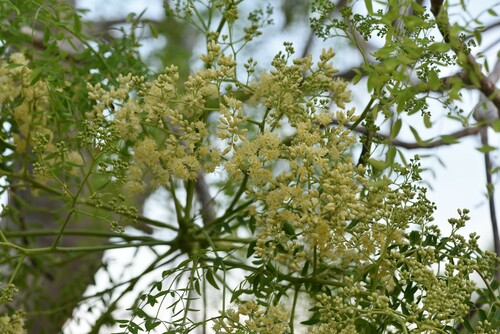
[
  {"x": 315, "y": 261},
  {"x": 241, "y": 190},
  {"x": 143, "y": 219},
  {"x": 105, "y": 316},
  {"x": 2, "y": 237},
  {"x": 14, "y": 246},
  {"x": 177, "y": 204},
  {"x": 61, "y": 230},
  {"x": 228, "y": 214},
  {"x": 279, "y": 276},
  {"x": 73, "y": 204},
  {"x": 294, "y": 304},
  {"x": 88, "y": 233},
  {"x": 363, "y": 115},
  {"x": 191, "y": 289},
  {"x": 51, "y": 250},
  {"x": 16, "y": 270}
]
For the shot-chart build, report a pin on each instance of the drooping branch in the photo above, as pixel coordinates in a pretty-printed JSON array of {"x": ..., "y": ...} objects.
[{"x": 437, "y": 143}]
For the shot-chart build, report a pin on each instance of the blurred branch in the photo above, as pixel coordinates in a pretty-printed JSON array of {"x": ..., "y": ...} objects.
[
  {"x": 491, "y": 195},
  {"x": 349, "y": 74},
  {"x": 485, "y": 29},
  {"x": 424, "y": 144},
  {"x": 468, "y": 62},
  {"x": 37, "y": 40},
  {"x": 99, "y": 29},
  {"x": 410, "y": 145},
  {"x": 206, "y": 201}
]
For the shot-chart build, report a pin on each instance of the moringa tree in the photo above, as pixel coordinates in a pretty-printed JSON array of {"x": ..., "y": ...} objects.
[{"x": 284, "y": 201}]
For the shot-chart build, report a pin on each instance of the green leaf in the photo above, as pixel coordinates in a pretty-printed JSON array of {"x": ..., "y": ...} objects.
[
  {"x": 364, "y": 326},
  {"x": 439, "y": 47},
  {"x": 478, "y": 36},
  {"x": 46, "y": 35},
  {"x": 77, "y": 24},
  {"x": 35, "y": 76},
  {"x": 391, "y": 155},
  {"x": 312, "y": 320},
  {"x": 196, "y": 286},
  {"x": 416, "y": 108},
  {"x": 305, "y": 269},
  {"x": 417, "y": 136},
  {"x": 396, "y": 128},
  {"x": 288, "y": 229},
  {"x": 252, "y": 224},
  {"x": 475, "y": 80},
  {"x": 492, "y": 12},
  {"x": 151, "y": 300},
  {"x": 427, "y": 121},
  {"x": 415, "y": 237},
  {"x": 417, "y": 8},
  {"x": 496, "y": 125},
  {"x": 412, "y": 49},
  {"x": 402, "y": 158},
  {"x": 151, "y": 324},
  {"x": 357, "y": 76},
  {"x": 157, "y": 286},
  {"x": 226, "y": 227},
  {"x": 238, "y": 293},
  {"x": 468, "y": 326},
  {"x": 210, "y": 278},
  {"x": 377, "y": 164},
  {"x": 352, "y": 224},
  {"x": 449, "y": 139},
  {"x": 495, "y": 170},
  {"x": 486, "y": 149},
  {"x": 482, "y": 314},
  {"x": 434, "y": 82},
  {"x": 251, "y": 248},
  {"x": 13, "y": 65},
  {"x": 385, "y": 51},
  {"x": 401, "y": 102},
  {"x": 153, "y": 29}
]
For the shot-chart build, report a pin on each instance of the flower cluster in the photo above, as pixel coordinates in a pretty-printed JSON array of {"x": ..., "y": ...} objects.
[
  {"x": 252, "y": 318},
  {"x": 13, "y": 324},
  {"x": 321, "y": 217},
  {"x": 317, "y": 214},
  {"x": 18, "y": 82},
  {"x": 163, "y": 124}
]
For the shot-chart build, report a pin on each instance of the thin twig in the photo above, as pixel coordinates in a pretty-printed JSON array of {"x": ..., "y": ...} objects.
[
  {"x": 424, "y": 144},
  {"x": 491, "y": 196}
]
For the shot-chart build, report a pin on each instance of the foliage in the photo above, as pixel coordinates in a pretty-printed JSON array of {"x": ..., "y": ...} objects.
[{"x": 271, "y": 209}]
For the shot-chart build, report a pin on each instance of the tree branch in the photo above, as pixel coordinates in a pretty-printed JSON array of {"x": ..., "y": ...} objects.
[
  {"x": 491, "y": 196},
  {"x": 414, "y": 145},
  {"x": 469, "y": 64}
]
